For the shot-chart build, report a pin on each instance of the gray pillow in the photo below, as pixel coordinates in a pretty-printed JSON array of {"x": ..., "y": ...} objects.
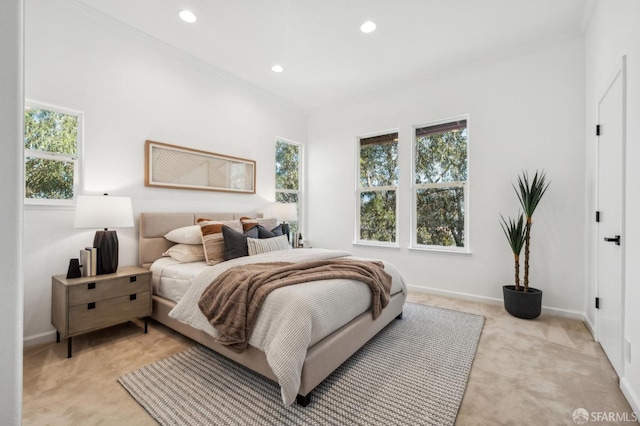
[
  {"x": 265, "y": 233},
  {"x": 235, "y": 243}
]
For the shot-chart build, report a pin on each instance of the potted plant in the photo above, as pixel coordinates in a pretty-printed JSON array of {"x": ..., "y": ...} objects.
[{"x": 523, "y": 301}]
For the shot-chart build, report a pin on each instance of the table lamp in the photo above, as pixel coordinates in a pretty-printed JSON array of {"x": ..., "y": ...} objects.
[
  {"x": 285, "y": 212},
  {"x": 104, "y": 211}
]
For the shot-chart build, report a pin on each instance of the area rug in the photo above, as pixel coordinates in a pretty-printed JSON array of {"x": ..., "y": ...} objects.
[{"x": 415, "y": 371}]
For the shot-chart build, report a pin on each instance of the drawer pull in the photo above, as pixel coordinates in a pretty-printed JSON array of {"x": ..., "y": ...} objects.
[
  {"x": 91, "y": 286},
  {"x": 91, "y": 305},
  {"x": 132, "y": 297},
  {"x": 133, "y": 279}
]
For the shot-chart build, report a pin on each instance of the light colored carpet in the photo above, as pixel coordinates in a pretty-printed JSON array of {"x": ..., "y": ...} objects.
[{"x": 415, "y": 371}]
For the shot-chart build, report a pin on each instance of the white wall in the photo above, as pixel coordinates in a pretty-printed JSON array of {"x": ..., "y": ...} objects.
[
  {"x": 11, "y": 104},
  {"x": 525, "y": 113},
  {"x": 614, "y": 31},
  {"x": 132, "y": 89}
]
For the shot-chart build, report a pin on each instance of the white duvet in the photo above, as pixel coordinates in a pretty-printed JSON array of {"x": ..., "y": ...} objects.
[{"x": 292, "y": 318}]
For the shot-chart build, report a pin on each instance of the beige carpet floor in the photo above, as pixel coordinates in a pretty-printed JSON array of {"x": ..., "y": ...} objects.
[{"x": 525, "y": 372}]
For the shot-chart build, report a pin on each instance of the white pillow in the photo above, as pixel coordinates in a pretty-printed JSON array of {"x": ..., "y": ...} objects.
[
  {"x": 185, "y": 235},
  {"x": 264, "y": 245},
  {"x": 186, "y": 253}
]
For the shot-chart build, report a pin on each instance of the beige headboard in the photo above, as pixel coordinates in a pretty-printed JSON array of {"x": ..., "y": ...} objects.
[{"x": 154, "y": 226}]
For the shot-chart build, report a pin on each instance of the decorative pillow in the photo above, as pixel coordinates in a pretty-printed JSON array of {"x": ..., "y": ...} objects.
[
  {"x": 256, "y": 246},
  {"x": 186, "y": 253},
  {"x": 268, "y": 223},
  {"x": 185, "y": 235},
  {"x": 248, "y": 223},
  {"x": 265, "y": 233},
  {"x": 213, "y": 240},
  {"x": 235, "y": 243}
]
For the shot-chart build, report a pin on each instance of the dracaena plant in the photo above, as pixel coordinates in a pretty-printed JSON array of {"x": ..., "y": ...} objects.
[
  {"x": 529, "y": 193},
  {"x": 515, "y": 232}
]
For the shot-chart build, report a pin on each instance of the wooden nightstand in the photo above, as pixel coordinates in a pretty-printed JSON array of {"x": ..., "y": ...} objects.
[{"x": 80, "y": 305}]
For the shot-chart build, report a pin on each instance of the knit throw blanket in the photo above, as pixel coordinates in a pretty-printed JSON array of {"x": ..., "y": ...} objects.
[{"x": 232, "y": 302}]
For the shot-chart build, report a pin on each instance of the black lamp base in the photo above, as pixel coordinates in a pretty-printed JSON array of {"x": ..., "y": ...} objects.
[
  {"x": 107, "y": 244},
  {"x": 286, "y": 230}
]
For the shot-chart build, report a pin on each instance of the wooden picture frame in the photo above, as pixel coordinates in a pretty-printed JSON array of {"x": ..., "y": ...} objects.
[{"x": 172, "y": 166}]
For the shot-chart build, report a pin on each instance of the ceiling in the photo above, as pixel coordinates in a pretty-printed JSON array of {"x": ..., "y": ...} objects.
[{"x": 326, "y": 57}]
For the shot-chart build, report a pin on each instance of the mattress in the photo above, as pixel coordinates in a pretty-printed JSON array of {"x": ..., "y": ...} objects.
[{"x": 171, "y": 279}]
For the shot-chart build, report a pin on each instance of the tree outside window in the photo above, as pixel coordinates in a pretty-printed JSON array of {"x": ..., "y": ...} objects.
[
  {"x": 440, "y": 189},
  {"x": 288, "y": 177},
  {"x": 377, "y": 189},
  {"x": 51, "y": 141}
]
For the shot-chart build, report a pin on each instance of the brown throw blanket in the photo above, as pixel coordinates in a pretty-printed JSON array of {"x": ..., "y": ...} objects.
[{"x": 233, "y": 300}]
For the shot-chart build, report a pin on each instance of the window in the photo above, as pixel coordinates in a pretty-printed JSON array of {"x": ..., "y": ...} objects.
[
  {"x": 52, "y": 138},
  {"x": 377, "y": 189},
  {"x": 440, "y": 186},
  {"x": 289, "y": 177}
]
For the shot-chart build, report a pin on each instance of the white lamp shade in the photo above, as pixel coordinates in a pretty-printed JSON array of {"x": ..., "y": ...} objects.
[
  {"x": 103, "y": 211},
  {"x": 285, "y": 212}
]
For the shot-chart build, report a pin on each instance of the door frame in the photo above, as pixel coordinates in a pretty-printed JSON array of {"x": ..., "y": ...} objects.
[{"x": 619, "y": 71}]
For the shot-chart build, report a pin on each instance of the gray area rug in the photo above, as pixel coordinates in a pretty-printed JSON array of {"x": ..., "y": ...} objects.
[{"x": 415, "y": 371}]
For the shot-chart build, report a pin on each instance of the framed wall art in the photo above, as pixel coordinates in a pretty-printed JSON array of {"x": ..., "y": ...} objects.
[{"x": 171, "y": 166}]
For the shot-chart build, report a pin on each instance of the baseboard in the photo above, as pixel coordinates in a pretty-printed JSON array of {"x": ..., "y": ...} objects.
[
  {"x": 565, "y": 313},
  {"x": 631, "y": 396},
  {"x": 590, "y": 326},
  {"x": 38, "y": 339}
]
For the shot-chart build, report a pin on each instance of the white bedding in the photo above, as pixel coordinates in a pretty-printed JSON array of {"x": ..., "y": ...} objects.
[
  {"x": 292, "y": 318},
  {"x": 171, "y": 279}
]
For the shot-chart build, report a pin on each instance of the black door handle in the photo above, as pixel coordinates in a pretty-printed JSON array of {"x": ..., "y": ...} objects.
[{"x": 615, "y": 239}]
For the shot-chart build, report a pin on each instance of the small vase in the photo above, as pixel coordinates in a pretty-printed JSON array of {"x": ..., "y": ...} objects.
[{"x": 74, "y": 269}]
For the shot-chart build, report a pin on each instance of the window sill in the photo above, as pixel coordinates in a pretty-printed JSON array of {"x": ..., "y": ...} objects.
[
  {"x": 375, "y": 244},
  {"x": 51, "y": 206},
  {"x": 444, "y": 250}
]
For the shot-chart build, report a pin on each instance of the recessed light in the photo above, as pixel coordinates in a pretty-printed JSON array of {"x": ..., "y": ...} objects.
[
  {"x": 368, "y": 27},
  {"x": 188, "y": 16},
  {"x": 277, "y": 68}
]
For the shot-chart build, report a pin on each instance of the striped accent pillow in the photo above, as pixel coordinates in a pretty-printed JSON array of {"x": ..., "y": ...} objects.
[
  {"x": 257, "y": 246},
  {"x": 248, "y": 223},
  {"x": 251, "y": 222},
  {"x": 213, "y": 240}
]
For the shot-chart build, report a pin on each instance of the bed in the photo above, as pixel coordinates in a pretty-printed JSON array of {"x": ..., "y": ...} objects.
[{"x": 318, "y": 361}]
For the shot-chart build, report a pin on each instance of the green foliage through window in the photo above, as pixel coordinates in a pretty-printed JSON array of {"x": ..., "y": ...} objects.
[
  {"x": 51, "y": 148},
  {"x": 440, "y": 183},
  {"x": 288, "y": 177},
  {"x": 378, "y": 182}
]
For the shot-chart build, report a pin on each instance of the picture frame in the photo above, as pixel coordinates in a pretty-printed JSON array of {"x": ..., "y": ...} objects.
[{"x": 177, "y": 167}]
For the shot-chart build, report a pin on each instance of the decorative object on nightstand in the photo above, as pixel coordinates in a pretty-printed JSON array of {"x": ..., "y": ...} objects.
[
  {"x": 74, "y": 269},
  {"x": 285, "y": 212},
  {"x": 104, "y": 211},
  {"x": 80, "y": 305}
]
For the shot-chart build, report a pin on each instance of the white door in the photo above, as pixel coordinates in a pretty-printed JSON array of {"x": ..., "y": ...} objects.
[{"x": 610, "y": 236}]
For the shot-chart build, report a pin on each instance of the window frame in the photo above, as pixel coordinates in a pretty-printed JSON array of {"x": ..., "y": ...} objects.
[
  {"x": 466, "y": 249},
  {"x": 76, "y": 159},
  {"x": 360, "y": 189},
  {"x": 300, "y": 190}
]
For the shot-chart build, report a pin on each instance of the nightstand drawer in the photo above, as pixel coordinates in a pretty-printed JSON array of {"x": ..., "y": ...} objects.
[
  {"x": 98, "y": 314},
  {"x": 100, "y": 290}
]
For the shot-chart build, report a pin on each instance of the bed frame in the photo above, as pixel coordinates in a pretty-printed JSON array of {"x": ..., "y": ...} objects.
[{"x": 322, "y": 358}]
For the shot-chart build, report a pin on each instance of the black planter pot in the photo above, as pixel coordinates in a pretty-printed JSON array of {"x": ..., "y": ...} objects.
[{"x": 520, "y": 304}]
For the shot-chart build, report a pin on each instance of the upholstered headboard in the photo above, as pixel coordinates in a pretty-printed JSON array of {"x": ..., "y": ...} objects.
[{"x": 154, "y": 226}]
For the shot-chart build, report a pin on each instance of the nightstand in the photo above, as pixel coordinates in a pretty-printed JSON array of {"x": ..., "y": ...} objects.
[{"x": 80, "y": 305}]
